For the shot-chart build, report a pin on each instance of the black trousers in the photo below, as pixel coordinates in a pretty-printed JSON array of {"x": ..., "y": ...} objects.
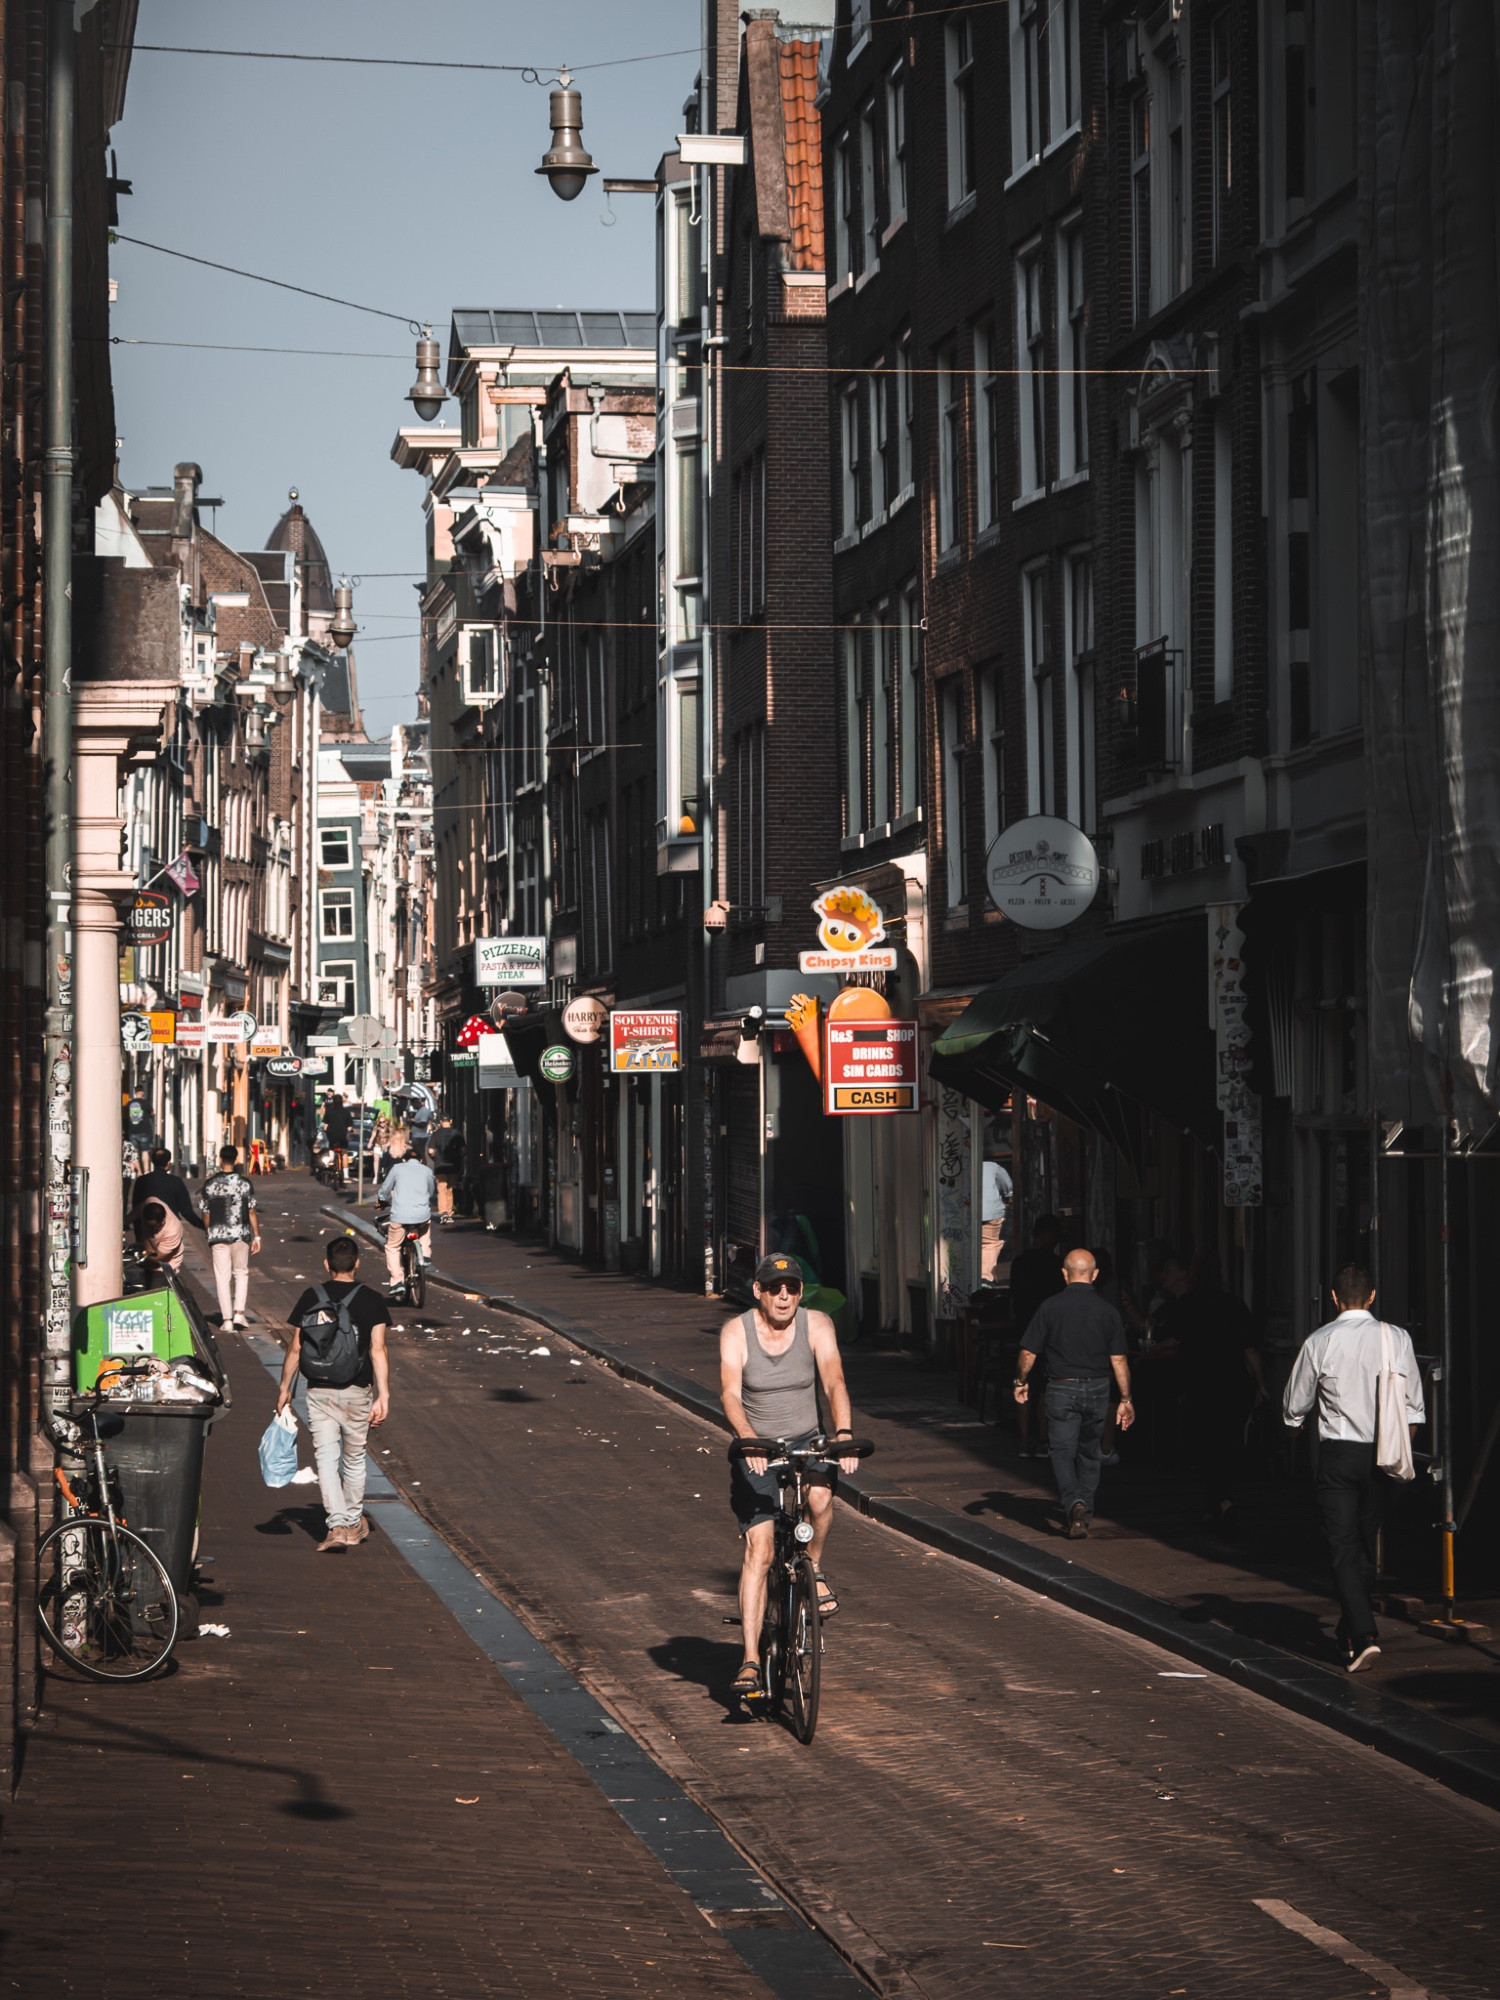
[{"x": 1349, "y": 1497}]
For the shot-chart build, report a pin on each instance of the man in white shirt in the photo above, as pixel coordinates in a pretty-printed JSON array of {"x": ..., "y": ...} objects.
[
  {"x": 1337, "y": 1373},
  {"x": 994, "y": 1205}
]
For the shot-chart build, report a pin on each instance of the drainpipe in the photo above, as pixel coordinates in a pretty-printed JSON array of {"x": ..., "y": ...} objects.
[{"x": 57, "y": 713}]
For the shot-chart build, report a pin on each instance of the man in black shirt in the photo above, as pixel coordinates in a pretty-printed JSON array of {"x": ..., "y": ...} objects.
[
  {"x": 1080, "y": 1341},
  {"x": 341, "y": 1411},
  {"x": 170, "y": 1189}
]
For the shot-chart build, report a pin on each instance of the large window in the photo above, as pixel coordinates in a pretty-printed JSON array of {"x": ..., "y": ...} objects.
[
  {"x": 843, "y": 209},
  {"x": 895, "y": 142},
  {"x": 909, "y": 699},
  {"x": 849, "y": 460},
  {"x": 1062, "y": 67},
  {"x": 992, "y": 726},
  {"x": 337, "y": 913},
  {"x": 905, "y": 416},
  {"x": 1073, "y": 353},
  {"x": 856, "y": 736},
  {"x": 987, "y": 415},
  {"x": 336, "y": 984},
  {"x": 1079, "y": 609},
  {"x": 598, "y": 893},
  {"x": 883, "y": 654},
  {"x": 749, "y": 497},
  {"x": 1026, "y": 134},
  {"x": 955, "y": 804},
  {"x": 877, "y": 412},
  {"x": 594, "y": 721},
  {"x": 869, "y": 185},
  {"x": 1032, "y": 386},
  {"x": 961, "y": 135},
  {"x": 950, "y": 448},
  {"x": 1040, "y": 722},
  {"x": 1223, "y": 157},
  {"x": 748, "y": 801},
  {"x": 1140, "y": 204},
  {"x": 334, "y": 847}
]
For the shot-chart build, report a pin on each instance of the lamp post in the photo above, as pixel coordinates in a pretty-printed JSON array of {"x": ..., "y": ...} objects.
[
  {"x": 342, "y": 628},
  {"x": 427, "y": 394},
  {"x": 566, "y": 163}
]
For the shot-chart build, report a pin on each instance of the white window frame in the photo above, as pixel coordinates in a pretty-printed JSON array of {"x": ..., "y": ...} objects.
[
  {"x": 335, "y": 833},
  {"x": 1031, "y": 365},
  {"x": 329, "y": 901},
  {"x": 849, "y": 459},
  {"x": 958, "y": 45},
  {"x": 852, "y": 671},
  {"x": 1223, "y": 555},
  {"x": 895, "y": 144},
  {"x": 1041, "y": 746},
  {"x": 1081, "y": 789},
  {"x": 1141, "y": 114},
  {"x": 1027, "y": 137},
  {"x": 869, "y": 187},
  {"x": 339, "y": 972},
  {"x": 1063, "y": 70},
  {"x": 882, "y": 661},
  {"x": 988, "y": 409},
  {"x": 992, "y": 731},
  {"x": 950, "y": 448},
  {"x": 906, "y": 417},
  {"x": 955, "y": 815},
  {"x": 909, "y": 700},
  {"x": 843, "y": 202},
  {"x": 1072, "y": 358},
  {"x": 877, "y": 408}
]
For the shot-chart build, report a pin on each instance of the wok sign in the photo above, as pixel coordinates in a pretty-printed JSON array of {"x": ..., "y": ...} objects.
[{"x": 872, "y": 1068}]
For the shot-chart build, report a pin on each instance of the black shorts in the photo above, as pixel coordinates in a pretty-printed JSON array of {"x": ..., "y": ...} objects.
[{"x": 756, "y": 1496}]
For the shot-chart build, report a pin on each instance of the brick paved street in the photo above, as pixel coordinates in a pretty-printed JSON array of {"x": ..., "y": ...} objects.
[
  {"x": 996, "y": 1781},
  {"x": 342, "y": 1797}
]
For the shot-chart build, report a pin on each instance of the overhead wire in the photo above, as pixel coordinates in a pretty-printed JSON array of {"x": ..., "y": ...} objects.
[
  {"x": 530, "y": 72},
  {"x": 259, "y": 278}
]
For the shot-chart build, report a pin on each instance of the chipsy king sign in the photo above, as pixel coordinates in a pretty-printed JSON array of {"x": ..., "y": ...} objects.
[{"x": 851, "y": 934}]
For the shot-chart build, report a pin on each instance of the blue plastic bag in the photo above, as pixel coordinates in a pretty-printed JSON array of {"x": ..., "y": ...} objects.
[{"x": 278, "y": 1450}]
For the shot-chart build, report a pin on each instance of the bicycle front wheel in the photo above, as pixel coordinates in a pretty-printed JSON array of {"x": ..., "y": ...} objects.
[
  {"x": 416, "y": 1277},
  {"x": 104, "y": 1601},
  {"x": 804, "y": 1651}
]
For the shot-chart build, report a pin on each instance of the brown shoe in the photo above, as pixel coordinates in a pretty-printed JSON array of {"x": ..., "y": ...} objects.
[
  {"x": 1078, "y": 1522},
  {"x": 360, "y": 1532},
  {"x": 336, "y": 1538}
]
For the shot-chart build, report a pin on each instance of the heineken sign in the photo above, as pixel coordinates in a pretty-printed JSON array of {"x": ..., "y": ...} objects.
[
  {"x": 557, "y": 1063},
  {"x": 149, "y": 919}
]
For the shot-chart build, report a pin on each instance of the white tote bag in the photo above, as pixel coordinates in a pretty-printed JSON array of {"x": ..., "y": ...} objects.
[{"x": 1392, "y": 1433}]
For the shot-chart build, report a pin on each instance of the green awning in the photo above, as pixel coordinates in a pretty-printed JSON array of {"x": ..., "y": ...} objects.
[{"x": 1099, "y": 1029}]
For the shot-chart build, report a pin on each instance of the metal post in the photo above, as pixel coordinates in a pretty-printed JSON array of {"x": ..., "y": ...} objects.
[
  {"x": 1445, "y": 1386},
  {"x": 57, "y": 711},
  {"x": 359, "y": 1133}
]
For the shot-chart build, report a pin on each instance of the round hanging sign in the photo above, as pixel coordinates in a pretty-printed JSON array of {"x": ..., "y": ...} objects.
[
  {"x": 556, "y": 1063},
  {"x": 1042, "y": 872},
  {"x": 583, "y": 1019}
]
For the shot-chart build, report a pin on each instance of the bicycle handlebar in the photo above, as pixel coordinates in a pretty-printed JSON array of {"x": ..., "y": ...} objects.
[{"x": 825, "y": 1449}]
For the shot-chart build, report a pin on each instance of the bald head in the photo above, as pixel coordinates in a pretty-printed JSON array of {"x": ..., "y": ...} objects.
[{"x": 1079, "y": 1267}]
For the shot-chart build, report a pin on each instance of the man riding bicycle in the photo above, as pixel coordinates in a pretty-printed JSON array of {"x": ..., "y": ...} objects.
[
  {"x": 771, "y": 1361},
  {"x": 412, "y": 1193}
]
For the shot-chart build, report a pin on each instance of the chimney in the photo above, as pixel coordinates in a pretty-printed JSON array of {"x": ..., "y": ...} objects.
[{"x": 186, "y": 479}]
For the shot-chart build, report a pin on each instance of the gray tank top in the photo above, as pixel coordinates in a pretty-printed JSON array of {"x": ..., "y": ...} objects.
[{"x": 780, "y": 1391}]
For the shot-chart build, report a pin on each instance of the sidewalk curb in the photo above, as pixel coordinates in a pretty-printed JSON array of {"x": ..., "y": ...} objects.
[{"x": 1455, "y": 1757}]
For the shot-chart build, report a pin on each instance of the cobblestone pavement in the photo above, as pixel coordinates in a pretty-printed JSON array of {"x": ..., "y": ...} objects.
[
  {"x": 340, "y": 1798},
  {"x": 1269, "y": 1582},
  {"x": 1002, "y": 1796}
]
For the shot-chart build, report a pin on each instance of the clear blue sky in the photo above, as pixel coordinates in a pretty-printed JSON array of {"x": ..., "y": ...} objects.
[{"x": 407, "y": 189}]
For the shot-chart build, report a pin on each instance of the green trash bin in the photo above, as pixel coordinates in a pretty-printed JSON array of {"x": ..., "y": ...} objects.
[{"x": 155, "y": 1447}]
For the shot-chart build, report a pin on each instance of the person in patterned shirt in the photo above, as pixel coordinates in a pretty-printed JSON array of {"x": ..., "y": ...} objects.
[{"x": 227, "y": 1202}]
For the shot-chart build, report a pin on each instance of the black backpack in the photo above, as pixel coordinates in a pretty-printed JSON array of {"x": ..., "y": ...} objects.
[{"x": 331, "y": 1356}]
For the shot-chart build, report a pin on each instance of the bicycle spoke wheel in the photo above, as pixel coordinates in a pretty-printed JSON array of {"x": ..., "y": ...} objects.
[
  {"x": 805, "y": 1651},
  {"x": 416, "y": 1280},
  {"x": 773, "y": 1645},
  {"x": 105, "y": 1603}
]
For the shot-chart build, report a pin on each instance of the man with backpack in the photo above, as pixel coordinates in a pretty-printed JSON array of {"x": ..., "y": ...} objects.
[{"x": 338, "y": 1348}]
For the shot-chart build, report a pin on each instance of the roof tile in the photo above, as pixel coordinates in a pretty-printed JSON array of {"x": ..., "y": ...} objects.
[{"x": 804, "y": 153}]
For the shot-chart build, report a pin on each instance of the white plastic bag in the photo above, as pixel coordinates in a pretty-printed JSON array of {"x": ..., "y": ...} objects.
[
  {"x": 278, "y": 1449},
  {"x": 1392, "y": 1433}
]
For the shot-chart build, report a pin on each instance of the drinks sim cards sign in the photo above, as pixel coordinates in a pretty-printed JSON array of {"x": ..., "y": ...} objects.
[
  {"x": 851, "y": 934},
  {"x": 872, "y": 1067}
]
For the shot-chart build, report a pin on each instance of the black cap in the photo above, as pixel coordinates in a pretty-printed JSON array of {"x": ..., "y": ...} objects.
[{"x": 773, "y": 1270}]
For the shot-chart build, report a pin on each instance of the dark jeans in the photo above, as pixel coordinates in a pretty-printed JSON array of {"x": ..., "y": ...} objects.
[
  {"x": 1075, "y": 1423},
  {"x": 1349, "y": 1502}
]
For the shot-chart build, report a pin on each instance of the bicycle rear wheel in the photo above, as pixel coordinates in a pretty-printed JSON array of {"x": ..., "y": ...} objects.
[
  {"x": 104, "y": 1602},
  {"x": 416, "y": 1276},
  {"x": 804, "y": 1653}
]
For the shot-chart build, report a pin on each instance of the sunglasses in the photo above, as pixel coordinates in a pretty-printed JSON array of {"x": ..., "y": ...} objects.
[{"x": 782, "y": 1285}]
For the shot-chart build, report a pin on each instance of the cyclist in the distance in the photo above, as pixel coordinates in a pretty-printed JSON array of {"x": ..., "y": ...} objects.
[
  {"x": 771, "y": 1361},
  {"x": 412, "y": 1194}
]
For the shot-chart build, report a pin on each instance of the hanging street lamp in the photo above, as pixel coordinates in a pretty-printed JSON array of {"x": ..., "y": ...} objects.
[
  {"x": 427, "y": 394},
  {"x": 342, "y": 628},
  {"x": 566, "y": 164}
]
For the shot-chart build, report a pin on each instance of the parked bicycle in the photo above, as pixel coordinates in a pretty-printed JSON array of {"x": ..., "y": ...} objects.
[
  {"x": 791, "y": 1633},
  {"x": 104, "y": 1601}
]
